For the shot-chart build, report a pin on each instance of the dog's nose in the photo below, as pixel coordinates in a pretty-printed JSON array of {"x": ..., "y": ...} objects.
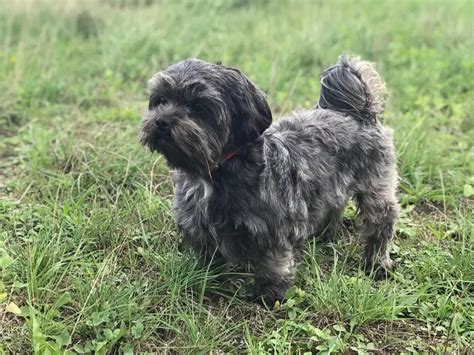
[{"x": 163, "y": 124}]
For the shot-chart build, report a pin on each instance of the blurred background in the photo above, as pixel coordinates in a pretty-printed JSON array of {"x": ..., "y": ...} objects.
[
  {"x": 99, "y": 54},
  {"x": 88, "y": 248}
]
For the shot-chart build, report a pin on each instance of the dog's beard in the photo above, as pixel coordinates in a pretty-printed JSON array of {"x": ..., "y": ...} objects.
[{"x": 187, "y": 146}]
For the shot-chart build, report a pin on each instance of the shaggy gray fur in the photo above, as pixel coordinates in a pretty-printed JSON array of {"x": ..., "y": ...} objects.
[{"x": 250, "y": 193}]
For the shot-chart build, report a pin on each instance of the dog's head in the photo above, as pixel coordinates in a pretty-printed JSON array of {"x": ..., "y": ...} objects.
[{"x": 199, "y": 112}]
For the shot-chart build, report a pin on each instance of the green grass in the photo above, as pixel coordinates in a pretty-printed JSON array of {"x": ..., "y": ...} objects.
[{"x": 88, "y": 248}]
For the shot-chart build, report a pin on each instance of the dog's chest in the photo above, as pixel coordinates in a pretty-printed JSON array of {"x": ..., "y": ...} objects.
[
  {"x": 201, "y": 208},
  {"x": 192, "y": 202},
  {"x": 209, "y": 219}
]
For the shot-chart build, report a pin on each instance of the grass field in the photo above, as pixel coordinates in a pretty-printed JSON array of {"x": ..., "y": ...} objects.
[{"x": 89, "y": 255}]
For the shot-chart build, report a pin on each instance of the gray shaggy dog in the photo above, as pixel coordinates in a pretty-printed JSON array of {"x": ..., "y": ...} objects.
[{"x": 249, "y": 192}]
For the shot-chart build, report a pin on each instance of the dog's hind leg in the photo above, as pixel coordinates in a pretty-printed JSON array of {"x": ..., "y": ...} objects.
[
  {"x": 331, "y": 225},
  {"x": 379, "y": 211}
]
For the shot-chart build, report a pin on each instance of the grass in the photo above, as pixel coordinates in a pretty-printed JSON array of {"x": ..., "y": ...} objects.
[{"x": 88, "y": 250}]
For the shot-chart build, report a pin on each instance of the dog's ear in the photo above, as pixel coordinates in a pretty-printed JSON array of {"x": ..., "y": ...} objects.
[{"x": 251, "y": 114}]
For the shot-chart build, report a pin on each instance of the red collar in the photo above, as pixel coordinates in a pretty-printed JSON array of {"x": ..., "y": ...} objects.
[{"x": 230, "y": 155}]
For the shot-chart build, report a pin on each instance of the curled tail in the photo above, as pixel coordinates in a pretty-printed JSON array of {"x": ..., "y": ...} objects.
[{"x": 353, "y": 87}]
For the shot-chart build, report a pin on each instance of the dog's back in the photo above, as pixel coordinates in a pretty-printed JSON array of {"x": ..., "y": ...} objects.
[
  {"x": 340, "y": 144},
  {"x": 316, "y": 160}
]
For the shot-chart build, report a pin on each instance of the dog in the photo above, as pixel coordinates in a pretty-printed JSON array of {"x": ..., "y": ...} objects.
[{"x": 249, "y": 192}]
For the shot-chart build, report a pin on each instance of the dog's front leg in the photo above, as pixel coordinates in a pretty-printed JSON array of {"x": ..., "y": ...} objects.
[
  {"x": 274, "y": 274},
  {"x": 204, "y": 246}
]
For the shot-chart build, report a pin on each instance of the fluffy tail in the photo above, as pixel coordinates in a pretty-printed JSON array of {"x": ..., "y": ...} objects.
[{"x": 353, "y": 87}]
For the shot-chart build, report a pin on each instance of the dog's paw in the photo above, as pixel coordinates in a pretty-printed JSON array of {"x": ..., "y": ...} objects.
[
  {"x": 268, "y": 295},
  {"x": 380, "y": 271}
]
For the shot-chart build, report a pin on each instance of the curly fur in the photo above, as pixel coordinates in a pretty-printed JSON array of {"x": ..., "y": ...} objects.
[{"x": 284, "y": 182}]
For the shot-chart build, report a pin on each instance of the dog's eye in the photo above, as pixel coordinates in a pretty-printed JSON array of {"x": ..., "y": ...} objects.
[
  {"x": 198, "y": 107},
  {"x": 156, "y": 101}
]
